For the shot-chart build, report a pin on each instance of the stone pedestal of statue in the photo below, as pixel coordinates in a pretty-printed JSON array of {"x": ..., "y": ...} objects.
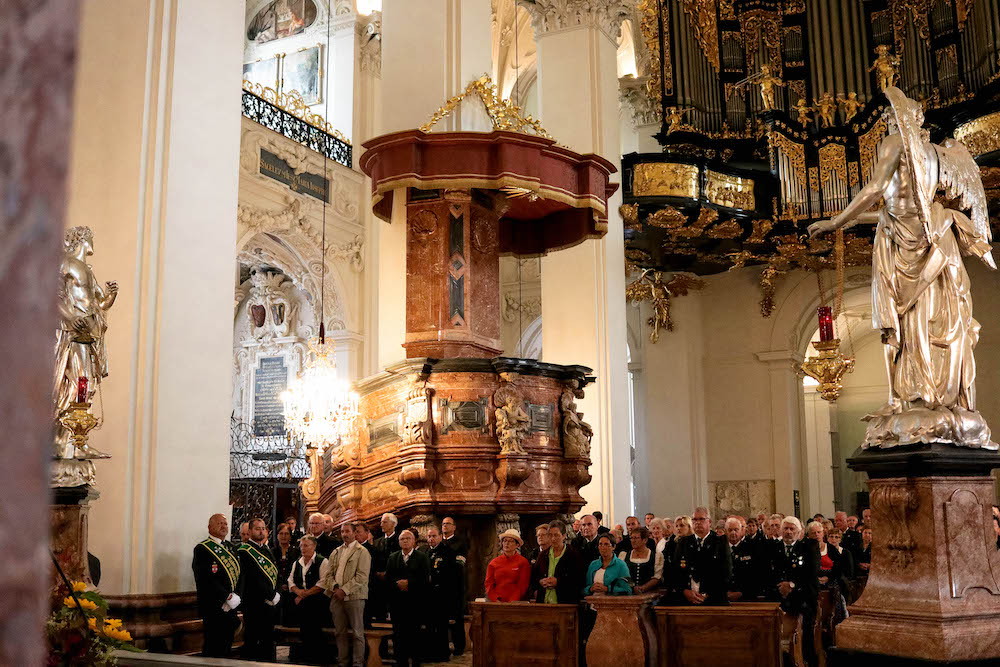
[
  {"x": 934, "y": 588},
  {"x": 68, "y": 528},
  {"x": 624, "y": 632}
]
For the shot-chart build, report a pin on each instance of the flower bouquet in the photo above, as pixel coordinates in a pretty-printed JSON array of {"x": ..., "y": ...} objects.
[{"x": 80, "y": 632}]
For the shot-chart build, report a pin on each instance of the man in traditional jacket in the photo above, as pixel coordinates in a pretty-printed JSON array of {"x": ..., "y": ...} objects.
[
  {"x": 258, "y": 589},
  {"x": 216, "y": 574},
  {"x": 703, "y": 563}
]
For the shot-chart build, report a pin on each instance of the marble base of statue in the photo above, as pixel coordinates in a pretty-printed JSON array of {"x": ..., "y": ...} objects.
[{"x": 934, "y": 588}]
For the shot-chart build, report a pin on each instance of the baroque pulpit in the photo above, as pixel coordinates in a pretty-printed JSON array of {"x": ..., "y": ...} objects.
[{"x": 455, "y": 429}]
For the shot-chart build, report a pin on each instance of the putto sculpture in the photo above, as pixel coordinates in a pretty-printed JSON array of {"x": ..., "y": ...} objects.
[
  {"x": 81, "y": 351},
  {"x": 921, "y": 296}
]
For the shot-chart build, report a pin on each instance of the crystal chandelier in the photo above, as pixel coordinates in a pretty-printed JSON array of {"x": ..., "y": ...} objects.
[{"x": 320, "y": 408}]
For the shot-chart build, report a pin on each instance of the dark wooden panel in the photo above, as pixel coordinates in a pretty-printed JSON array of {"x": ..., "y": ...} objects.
[
  {"x": 741, "y": 635},
  {"x": 521, "y": 633}
]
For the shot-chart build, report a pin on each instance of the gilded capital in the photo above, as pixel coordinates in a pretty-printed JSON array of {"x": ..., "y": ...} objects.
[{"x": 555, "y": 15}]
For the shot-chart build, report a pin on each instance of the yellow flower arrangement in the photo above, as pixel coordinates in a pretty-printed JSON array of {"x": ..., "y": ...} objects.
[
  {"x": 113, "y": 622},
  {"x": 92, "y": 623},
  {"x": 117, "y": 633},
  {"x": 85, "y": 603},
  {"x": 79, "y": 586}
]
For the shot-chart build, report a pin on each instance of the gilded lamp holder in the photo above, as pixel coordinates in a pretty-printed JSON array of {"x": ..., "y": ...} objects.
[
  {"x": 828, "y": 368},
  {"x": 79, "y": 421}
]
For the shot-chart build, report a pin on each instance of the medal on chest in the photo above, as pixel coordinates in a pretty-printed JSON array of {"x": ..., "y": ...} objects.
[
  {"x": 683, "y": 563},
  {"x": 215, "y": 568}
]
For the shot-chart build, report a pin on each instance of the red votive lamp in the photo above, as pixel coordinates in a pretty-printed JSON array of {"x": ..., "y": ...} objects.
[
  {"x": 81, "y": 390},
  {"x": 825, "y": 323}
]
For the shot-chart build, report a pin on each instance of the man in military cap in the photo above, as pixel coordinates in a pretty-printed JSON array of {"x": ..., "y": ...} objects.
[{"x": 216, "y": 574}]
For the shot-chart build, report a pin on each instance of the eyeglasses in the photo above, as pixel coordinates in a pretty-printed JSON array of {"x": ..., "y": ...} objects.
[{"x": 700, "y": 518}]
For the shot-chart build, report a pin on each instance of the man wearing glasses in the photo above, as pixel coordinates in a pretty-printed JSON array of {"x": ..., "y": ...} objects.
[{"x": 703, "y": 564}]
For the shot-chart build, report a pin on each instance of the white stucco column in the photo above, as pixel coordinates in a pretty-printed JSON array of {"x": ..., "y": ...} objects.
[
  {"x": 820, "y": 420},
  {"x": 583, "y": 288},
  {"x": 784, "y": 403},
  {"x": 674, "y": 464},
  {"x": 431, "y": 50},
  {"x": 155, "y": 150}
]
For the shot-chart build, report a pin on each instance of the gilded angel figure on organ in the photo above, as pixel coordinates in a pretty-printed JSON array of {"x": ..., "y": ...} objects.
[{"x": 921, "y": 295}]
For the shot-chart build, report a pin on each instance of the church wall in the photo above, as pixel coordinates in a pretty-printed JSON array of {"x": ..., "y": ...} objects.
[{"x": 153, "y": 173}]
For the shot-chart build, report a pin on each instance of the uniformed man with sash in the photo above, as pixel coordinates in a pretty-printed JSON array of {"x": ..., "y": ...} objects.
[
  {"x": 258, "y": 587},
  {"x": 216, "y": 574}
]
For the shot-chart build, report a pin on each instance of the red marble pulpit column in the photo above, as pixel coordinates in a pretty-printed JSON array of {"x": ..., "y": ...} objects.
[{"x": 452, "y": 274}]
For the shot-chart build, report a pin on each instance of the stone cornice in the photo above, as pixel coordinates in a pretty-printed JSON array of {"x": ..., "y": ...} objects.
[{"x": 549, "y": 16}]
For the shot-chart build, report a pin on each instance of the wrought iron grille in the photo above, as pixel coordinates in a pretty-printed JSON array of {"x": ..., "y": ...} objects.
[
  {"x": 273, "y": 457},
  {"x": 296, "y": 129}
]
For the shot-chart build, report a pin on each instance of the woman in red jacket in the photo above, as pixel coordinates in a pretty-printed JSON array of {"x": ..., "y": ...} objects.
[{"x": 508, "y": 575}]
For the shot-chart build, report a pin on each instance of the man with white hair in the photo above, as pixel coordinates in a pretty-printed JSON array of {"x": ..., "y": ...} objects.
[
  {"x": 317, "y": 528},
  {"x": 703, "y": 563},
  {"x": 796, "y": 576},
  {"x": 749, "y": 566}
]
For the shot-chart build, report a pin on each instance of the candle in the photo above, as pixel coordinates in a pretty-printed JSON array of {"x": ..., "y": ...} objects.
[
  {"x": 825, "y": 323},
  {"x": 81, "y": 389}
]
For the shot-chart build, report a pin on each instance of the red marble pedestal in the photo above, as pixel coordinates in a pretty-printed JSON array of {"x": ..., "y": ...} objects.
[
  {"x": 624, "y": 633},
  {"x": 68, "y": 530},
  {"x": 934, "y": 588}
]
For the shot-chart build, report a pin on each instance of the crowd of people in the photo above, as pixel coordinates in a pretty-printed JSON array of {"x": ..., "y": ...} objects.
[
  {"x": 346, "y": 578},
  {"x": 332, "y": 576}
]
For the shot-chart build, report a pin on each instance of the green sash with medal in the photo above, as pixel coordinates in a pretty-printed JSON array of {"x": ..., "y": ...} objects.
[
  {"x": 226, "y": 558},
  {"x": 265, "y": 564}
]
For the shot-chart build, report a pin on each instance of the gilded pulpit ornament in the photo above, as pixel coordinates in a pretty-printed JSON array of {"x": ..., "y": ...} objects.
[
  {"x": 81, "y": 350},
  {"x": 576, "y": 432},
  {"x": 921, "y": 294},
  {"x": 513, "y": 422},
  {"x": 504, "y": 114}
]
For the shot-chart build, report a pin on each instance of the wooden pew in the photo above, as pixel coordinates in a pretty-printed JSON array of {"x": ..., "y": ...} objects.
[
  {"x": 514, "y": 634},
  {"x": 746, "y": 634}
]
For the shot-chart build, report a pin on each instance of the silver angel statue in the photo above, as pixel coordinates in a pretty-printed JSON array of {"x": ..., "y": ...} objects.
[
  {"x": 921, "y": 297},
  {"x": 80, "y": 346}
]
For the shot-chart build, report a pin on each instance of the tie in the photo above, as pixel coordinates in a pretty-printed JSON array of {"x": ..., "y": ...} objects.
[{"x": 788, "y": 550}]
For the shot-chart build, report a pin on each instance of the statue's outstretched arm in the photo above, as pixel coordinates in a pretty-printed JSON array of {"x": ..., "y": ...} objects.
[{"x": 890, "y": 153}]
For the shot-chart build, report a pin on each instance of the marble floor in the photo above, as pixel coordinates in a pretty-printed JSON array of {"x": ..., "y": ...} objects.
[{"x": 464, "y": 660}]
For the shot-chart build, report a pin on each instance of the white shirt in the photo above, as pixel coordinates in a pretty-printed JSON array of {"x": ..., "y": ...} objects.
[
  {"x": 657, "y": 564},
  {"x": 215, "y": 539},
  {"x": 599, "y": 576},
  {"x": 661, "y": 545},
  {"x": 406, "y": 556},
  {"x": 305, "y": 569}
]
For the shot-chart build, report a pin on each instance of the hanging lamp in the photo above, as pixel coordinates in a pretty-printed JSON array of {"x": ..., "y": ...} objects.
[{"x": 320, "y": 407}]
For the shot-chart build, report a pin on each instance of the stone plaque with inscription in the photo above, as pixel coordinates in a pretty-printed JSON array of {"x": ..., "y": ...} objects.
[{"x": 270, "y": 379}]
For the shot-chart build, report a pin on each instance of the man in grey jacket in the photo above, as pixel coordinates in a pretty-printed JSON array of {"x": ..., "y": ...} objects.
[{"x": 346, "y": 583}]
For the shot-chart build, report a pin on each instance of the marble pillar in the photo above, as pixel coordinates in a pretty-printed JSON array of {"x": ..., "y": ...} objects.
[
  {"x": 37, "y": 74},
  {"x": 624, "y": 632},
  {"x": 155, "y": 150},
  {"x": 452, "y": 275},
  {"x": 934, "y": 588},
  {"x": 583, "y": 288}
]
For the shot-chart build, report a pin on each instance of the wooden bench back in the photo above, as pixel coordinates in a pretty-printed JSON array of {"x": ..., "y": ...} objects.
[
  {"x": 515, "y": 634},
  {"x": 745, "y": 634}
]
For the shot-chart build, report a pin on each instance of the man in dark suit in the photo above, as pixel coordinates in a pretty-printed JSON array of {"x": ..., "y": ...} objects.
[
  {"x": 631, "y": 523},
  {"x": 293, "y": 526},
  {"x": 317, "y": 528},
  {"x": 408, "y": 576},
  {"x": 456, "y": 619},
  {"x": 331, "y": 538},
  {"x": 445, "y": 574},
  {"x": 216, "y": 574},
  {"x": 795, "y": 578},
  {"x": 258, "y": 589},
  {"x": 601, "y": 528},
  {"x": 750, "y": 567},
  {"x": 703, "y": 563},
  {"x": 385, "y": 546},
  {"x": 364, "y": 538},
  {"x": 851, "y": 538},
  {"x": 585, "y": 543}
]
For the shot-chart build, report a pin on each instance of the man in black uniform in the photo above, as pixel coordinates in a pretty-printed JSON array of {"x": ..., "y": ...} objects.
[
  {"x": 408, "y": 576},
  {"x": 216, "y": 573},
  {"x": 703, "y": 563},
  {"x": 293, "y": 527},
  {"x": 385, "y": 546},
  {"x": 795, "y": 578},
  {"x": 445, "y": 573},
  {"x": 456, "y": 618},
  {"x": 852, "y": 538},
  {"x": 749, "y": 566},
  {"x": 258, "y": 589}
]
